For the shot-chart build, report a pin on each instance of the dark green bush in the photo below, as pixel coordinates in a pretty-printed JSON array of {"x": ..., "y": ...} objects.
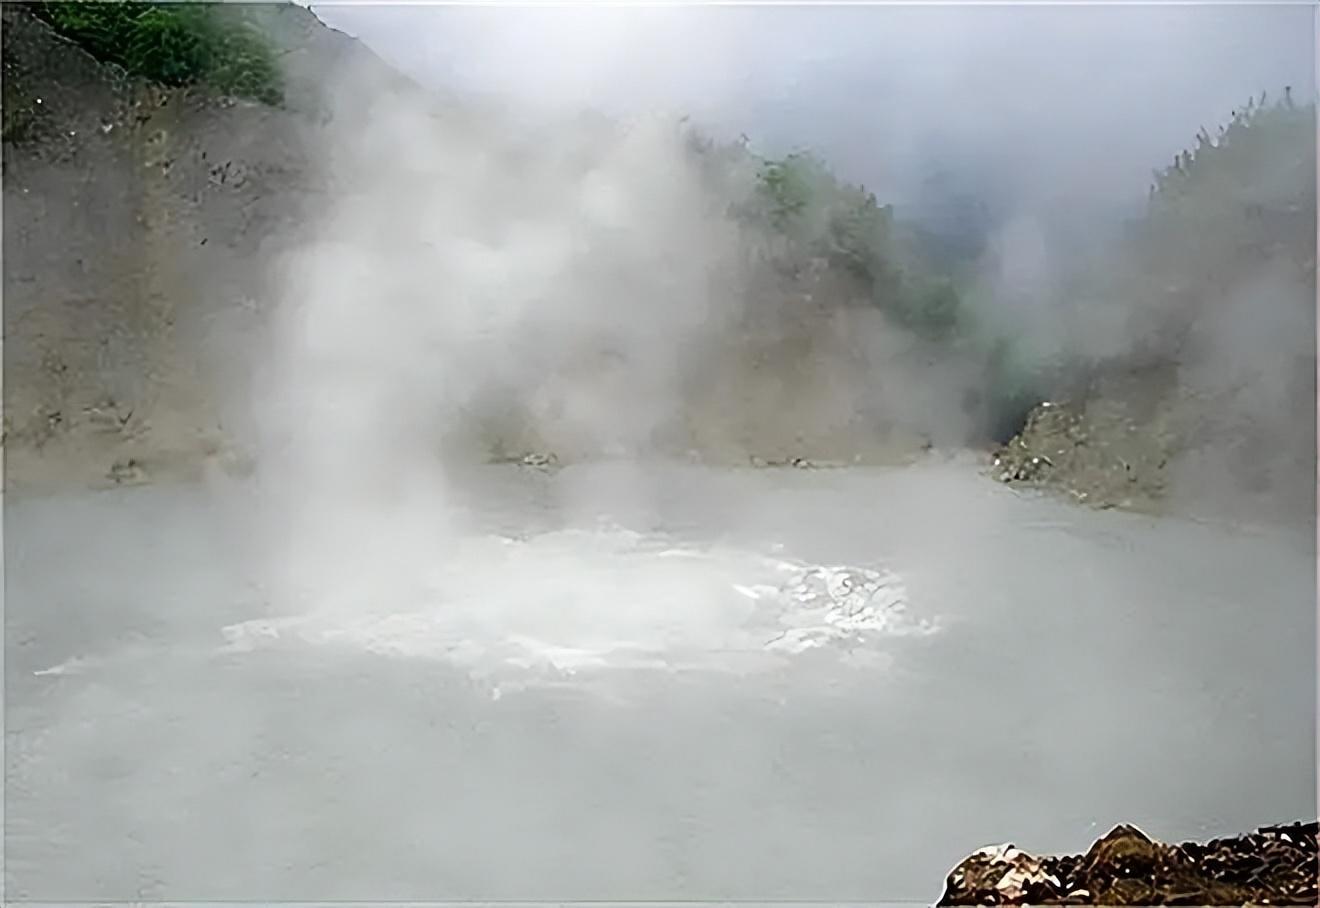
[{"x": 172, "y": 43}]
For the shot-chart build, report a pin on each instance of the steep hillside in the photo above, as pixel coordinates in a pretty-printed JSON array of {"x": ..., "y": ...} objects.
[
  {"x": 641, "y": 289},
  {"x": 138, "y": 221},
  {"x": 1190, "y": 381},
  {"x": 144, "y": 225},
  {"x": 149, "y": 231}
]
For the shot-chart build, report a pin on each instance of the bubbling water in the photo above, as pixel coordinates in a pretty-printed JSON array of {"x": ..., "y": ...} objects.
[{"x": 576, "y": 600}]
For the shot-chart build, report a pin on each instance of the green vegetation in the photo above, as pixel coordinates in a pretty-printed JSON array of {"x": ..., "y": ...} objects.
[
  {"x": 807, "y": 218},
  {"x": 1232, "y": 166},
  {"x": 1220, "y": 211},
  {"x": 1215, "y": 284},
  {"x": 1219, "y": 214},
  {"x": 821, "y": 217},
  {"x": 1238, "y": 200},
  {"x": 172, "y": 43},
  {"x": 1226, "y": 211}
]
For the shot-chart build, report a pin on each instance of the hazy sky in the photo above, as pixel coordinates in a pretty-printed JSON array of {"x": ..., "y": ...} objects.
[{"x": 1052, "y": 103}]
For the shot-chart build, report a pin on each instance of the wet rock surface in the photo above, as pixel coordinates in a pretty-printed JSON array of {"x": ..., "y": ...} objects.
[
  {"x": 795, "y": 463},
  {"x": 535, "y": 460},
  {"x": 1275, "y": 865}
]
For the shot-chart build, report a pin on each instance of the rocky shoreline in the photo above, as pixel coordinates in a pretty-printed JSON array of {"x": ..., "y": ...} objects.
[
  {"x": 1275, "y": 865},
  {"x": 1099, "y": 457}
]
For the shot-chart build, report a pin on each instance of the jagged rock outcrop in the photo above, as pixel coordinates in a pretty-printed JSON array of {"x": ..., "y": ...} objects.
[{"x": 1275, "y": 865}]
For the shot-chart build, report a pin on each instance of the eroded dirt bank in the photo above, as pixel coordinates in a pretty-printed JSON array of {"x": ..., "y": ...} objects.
[{"x": 156, "y": 238}]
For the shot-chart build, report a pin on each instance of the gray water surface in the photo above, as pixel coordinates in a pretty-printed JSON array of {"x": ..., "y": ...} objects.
[{"x": 1088, "y": 669}]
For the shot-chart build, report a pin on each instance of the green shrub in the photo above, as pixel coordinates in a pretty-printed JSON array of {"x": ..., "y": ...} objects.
[
  {"x": 172, "y": 43},
  {"x": 932, "y": 310},
  {"x": 823, "y": 217}
]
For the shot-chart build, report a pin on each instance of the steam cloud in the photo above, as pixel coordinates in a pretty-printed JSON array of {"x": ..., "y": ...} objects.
[{"x": 489, "y": 284}]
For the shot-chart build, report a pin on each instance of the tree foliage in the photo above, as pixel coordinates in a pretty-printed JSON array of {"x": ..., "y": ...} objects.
[
  {"x": 1237, "y": 197},
  {"x": 1221, "y": 212},
  {"x": 172, "y": 43},
  {"x": 799, "y": 199},
  {"x": 1228, "y": 211}
]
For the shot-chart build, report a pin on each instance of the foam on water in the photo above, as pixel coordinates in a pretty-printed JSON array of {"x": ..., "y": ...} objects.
[{"x": 575, "y": 601}]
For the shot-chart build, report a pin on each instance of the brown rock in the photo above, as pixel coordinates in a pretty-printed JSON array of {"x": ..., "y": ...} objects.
[{"x": 1273, "y": 866}]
